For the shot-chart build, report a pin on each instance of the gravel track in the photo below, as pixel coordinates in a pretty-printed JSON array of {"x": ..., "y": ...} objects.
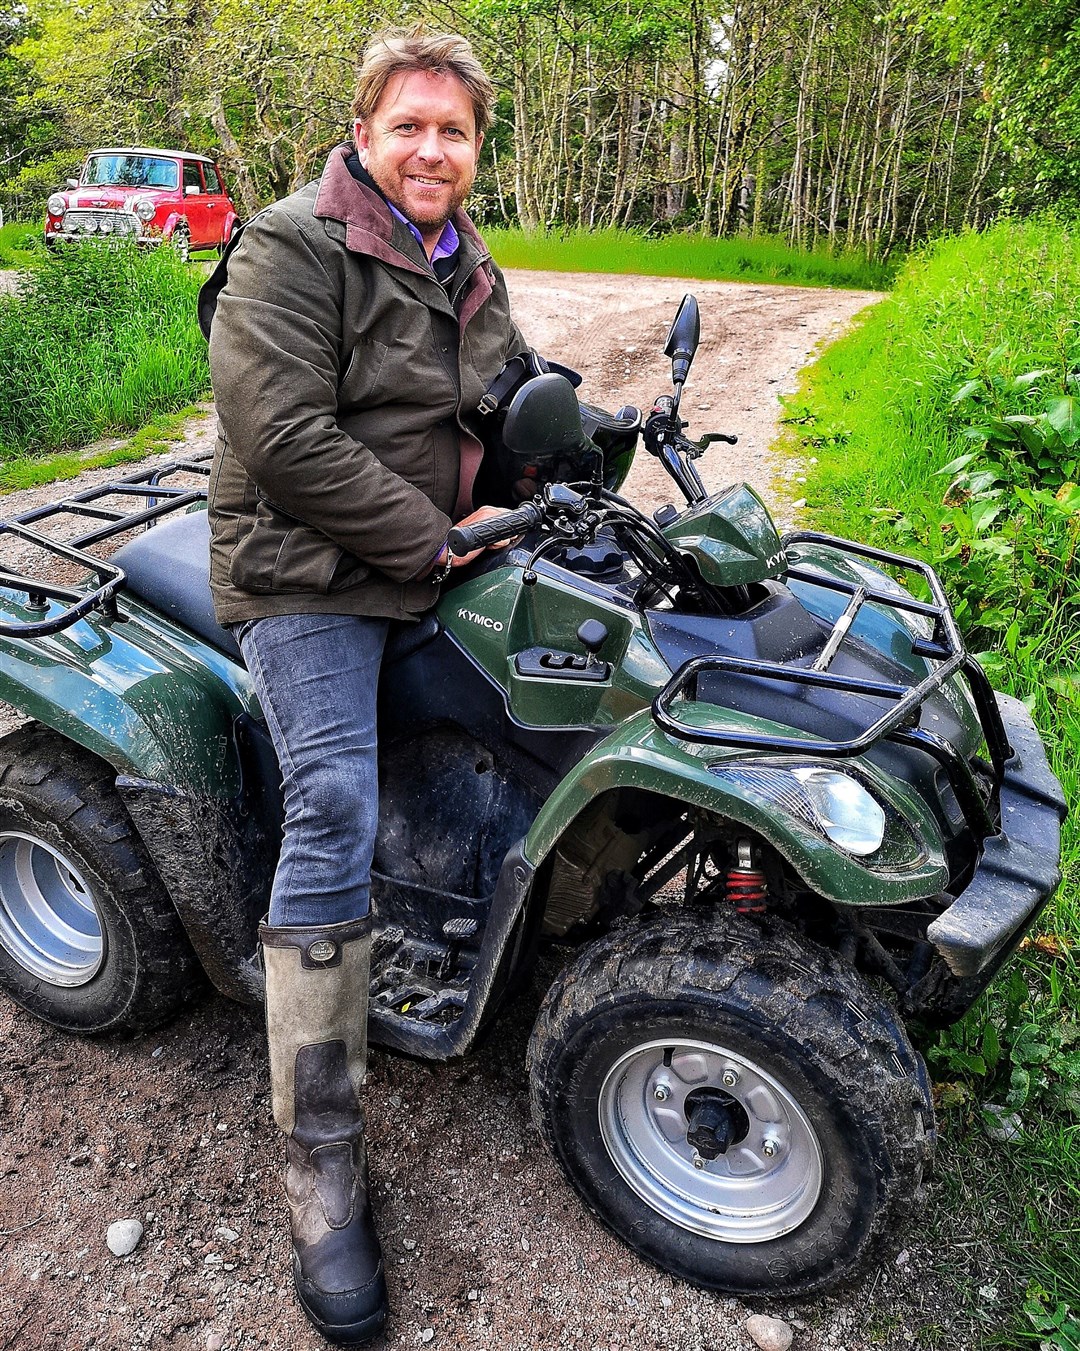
[{"x": 486, "y": 1245}]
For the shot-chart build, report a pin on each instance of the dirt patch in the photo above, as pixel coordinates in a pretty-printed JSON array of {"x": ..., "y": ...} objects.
[{"x": 486, "y": 1244}]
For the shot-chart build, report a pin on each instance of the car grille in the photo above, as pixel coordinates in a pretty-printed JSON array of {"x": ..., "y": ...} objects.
[{"x": 81, "y": 221}]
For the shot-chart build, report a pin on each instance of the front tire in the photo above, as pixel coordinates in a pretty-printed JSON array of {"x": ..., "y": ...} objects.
[
  {"x": 89, "y": 940},
  {"x": 825, "y": 1108}
]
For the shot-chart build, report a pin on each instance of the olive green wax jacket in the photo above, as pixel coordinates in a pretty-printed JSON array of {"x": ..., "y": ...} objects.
[{"x": 346, "y": 381}]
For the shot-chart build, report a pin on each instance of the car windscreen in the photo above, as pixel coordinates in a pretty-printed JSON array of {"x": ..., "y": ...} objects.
[{"x": 131, "y": 171}]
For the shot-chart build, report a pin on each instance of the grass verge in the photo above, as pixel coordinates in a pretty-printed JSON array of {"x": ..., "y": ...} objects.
[
  {"x": 96, "y": 342},
  {"x": 159, "y": 436},
  {"x": 762, "y": 259},
  {"x": 947, "y": 425}
]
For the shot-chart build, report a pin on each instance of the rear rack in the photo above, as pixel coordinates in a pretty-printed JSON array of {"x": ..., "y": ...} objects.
[
  {"x": 155, "y": 499},
  {"x": 898, "y": 723}
]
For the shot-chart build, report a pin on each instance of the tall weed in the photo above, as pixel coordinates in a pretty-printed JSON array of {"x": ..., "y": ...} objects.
[{"x": 97, "y": 340}]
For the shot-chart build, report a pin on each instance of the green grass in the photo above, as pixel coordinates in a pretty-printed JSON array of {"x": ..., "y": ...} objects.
[
  {"x": 97, "y": 342},
  {"x": 761, "y": 259},
  {"x": 947, "y": 425},
  {"x": 161, "y": 435},
  {"x": 21, "y": 243}
]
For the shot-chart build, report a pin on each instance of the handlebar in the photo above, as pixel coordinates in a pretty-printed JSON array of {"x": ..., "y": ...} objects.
[{"x": 463, "y": 539}]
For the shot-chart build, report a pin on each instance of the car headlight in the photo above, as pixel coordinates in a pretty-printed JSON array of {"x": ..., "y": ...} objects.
[
  {"x": 835, "y": 802},
  {"x": 57, "y": 204},
  {"x": 105, "y": 226},
  {"x": 144, "y": 208}
]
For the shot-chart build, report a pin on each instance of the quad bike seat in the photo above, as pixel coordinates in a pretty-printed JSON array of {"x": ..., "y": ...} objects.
[{"x": 168, "y": 567}]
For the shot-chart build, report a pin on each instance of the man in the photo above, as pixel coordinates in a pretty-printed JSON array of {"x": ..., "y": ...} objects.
[{"x": 355, "y": 328}]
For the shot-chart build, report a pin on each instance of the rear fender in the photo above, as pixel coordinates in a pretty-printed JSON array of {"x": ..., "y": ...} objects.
[
  {"x": 151, "y": 699},
  {"x": 179, "y": 723},
  {"x": 638, "y": 755}
]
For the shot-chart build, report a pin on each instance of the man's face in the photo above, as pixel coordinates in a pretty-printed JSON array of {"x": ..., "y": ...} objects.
[{"x": 422, "y": 148}]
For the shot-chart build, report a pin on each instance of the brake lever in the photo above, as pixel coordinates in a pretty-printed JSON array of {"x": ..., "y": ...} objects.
[{"x": 695, "y": 449}]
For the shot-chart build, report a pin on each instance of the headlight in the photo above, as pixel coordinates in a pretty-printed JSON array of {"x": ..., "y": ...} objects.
[
  {"x": 846, "y": 812},
  {"x": 57, "y": 204},
  {"x": 106, "y": 225},
  {"x": 144, "y": 208},
  {"x": 835, "y": 802}
]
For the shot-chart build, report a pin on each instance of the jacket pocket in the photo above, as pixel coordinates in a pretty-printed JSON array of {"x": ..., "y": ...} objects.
[
  {"x": 361, "y": 375},
  {"x": 279, "y": 554}
]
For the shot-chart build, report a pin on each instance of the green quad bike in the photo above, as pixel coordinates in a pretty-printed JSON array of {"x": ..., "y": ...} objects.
[{"x": 757, "y": 788}]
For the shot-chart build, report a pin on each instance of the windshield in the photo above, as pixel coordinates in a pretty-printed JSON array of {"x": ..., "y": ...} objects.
[{"x": 131, "y": 171}]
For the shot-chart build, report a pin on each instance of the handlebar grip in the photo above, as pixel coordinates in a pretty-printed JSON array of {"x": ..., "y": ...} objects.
[{"x": 463, "y": 539}]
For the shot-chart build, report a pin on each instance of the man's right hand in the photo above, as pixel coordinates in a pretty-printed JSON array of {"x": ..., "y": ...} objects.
[{"x": 480, "y": 514}]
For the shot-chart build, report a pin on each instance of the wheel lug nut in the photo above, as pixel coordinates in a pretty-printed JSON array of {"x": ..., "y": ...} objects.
[
  {"x": 661, "y": 1093},
  {"x": 699, "y": 1162},
  {"x": 730, "y": 1078},
  {"x": 770, "y": 1147}
]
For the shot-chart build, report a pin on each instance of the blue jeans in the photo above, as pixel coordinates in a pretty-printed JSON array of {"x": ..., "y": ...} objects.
[{"x": 316, "y": 677}]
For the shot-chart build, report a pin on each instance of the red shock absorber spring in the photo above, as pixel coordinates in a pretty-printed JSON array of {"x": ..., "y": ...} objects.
[{"x": 747, "y": 890}]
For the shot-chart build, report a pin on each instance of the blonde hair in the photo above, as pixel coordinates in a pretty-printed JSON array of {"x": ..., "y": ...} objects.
[{"x": 398, "y": 51}]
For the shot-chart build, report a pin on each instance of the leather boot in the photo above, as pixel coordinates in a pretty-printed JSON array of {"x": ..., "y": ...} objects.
[{"x": 316, "y": 1018}]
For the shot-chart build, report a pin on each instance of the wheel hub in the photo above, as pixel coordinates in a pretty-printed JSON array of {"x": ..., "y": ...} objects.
[
  {"x": 49, "y": 922},
  {"x": 711, "y": 1140},
  {"x": 716, "y": 1121}
]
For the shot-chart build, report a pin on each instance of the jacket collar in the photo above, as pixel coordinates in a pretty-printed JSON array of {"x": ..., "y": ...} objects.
[{"x": 372, "y": 228}]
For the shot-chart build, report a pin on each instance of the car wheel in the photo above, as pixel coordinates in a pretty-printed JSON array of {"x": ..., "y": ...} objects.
[
  {"x": 181, "y": 241},
  {"x": 89, "y": 940},
  {"x": 733, "y": 1102}
]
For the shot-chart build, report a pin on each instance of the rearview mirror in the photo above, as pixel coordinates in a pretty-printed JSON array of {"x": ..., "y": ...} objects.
[{"x": 683, "y": 339}]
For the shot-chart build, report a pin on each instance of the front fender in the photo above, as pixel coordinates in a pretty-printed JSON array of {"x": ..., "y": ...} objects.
[
  {"x": 638, "y": 755},
  {"x": 174, "y": 219}
]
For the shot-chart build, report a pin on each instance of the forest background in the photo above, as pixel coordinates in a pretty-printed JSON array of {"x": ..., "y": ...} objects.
[{"x": 834, "y": 122}]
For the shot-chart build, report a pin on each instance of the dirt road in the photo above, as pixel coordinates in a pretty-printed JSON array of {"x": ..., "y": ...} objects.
[{"x": 486, "y": 1245}]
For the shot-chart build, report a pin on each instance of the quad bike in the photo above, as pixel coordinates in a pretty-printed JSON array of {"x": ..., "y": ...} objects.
[{"x": 754, "y": 787}]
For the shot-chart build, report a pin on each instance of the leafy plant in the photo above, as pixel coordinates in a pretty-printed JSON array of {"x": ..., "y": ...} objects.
[
  {"x": 949, "y": 422},
  {"x": 1060, "y": 1328}
]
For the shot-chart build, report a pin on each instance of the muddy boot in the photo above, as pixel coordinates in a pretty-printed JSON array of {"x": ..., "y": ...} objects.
[{"x": 316, "y": 1018}]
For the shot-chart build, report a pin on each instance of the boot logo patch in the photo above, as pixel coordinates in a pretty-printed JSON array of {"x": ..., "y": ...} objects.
[{"x": 322, "y": 951}]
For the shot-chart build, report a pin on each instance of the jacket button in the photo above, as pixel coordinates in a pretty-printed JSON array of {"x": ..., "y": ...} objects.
[{"x": 445, "y": 348}]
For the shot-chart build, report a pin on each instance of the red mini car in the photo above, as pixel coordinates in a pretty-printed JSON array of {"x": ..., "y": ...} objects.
[{"x": 151, "y": 196}]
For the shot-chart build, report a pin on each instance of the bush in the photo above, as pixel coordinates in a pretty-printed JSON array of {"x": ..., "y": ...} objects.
[{"x": 96, "y": 341}]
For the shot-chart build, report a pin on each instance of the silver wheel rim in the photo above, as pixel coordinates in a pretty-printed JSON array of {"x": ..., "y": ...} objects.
[
  {"x": 765, "y": 1186},
  {"x": 49, "y": 921}
]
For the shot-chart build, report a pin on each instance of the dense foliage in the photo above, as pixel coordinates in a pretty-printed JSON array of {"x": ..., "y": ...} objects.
[
  {"x": 818, "y": 120},
  {"x": 97, "y": 340},
  {"x": 948, "y": 425}
]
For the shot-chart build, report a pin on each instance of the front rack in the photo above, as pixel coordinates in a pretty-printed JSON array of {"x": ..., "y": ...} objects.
[
  {"x": 898, "y": 723},
  {"x": 156, "y": 499}
]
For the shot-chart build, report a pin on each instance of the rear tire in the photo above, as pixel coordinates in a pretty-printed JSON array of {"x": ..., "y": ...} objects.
[
  {"x": 829, "y": 1105},
  {"x": 89, "y": 940}
]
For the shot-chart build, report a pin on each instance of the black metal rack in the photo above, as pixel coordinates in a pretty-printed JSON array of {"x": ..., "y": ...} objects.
[
  {"x": 898, "y": 723},
  {"x": 156, "y": 498}
]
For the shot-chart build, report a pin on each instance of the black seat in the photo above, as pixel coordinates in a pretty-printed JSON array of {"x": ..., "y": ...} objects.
[{"x": 168, "y": 567}]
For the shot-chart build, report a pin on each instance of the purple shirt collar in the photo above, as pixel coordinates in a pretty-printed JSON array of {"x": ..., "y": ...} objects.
[{"x": 448, "y": 240}]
